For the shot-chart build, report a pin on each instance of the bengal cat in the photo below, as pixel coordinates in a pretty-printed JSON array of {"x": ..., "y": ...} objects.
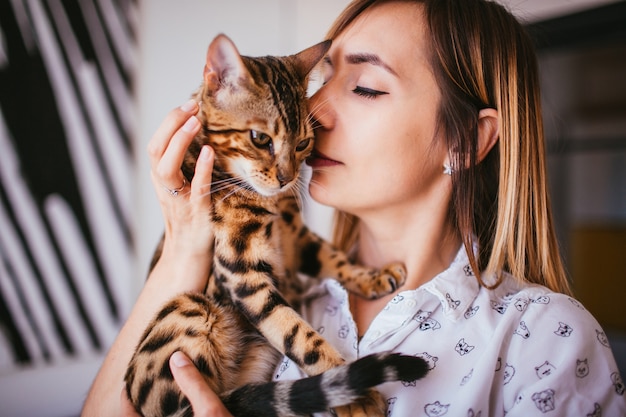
[{"x": 254, "y": 114}]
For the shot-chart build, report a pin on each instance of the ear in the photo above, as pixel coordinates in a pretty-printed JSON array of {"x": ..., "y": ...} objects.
[
  {"x": 488, "y": 132},
  {"x": 224, "y": 65},
  {"x": 306, "y": 60}
]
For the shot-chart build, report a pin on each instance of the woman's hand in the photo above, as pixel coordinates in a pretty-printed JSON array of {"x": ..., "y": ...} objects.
[
  {"x": 185, "y": 206},
  {"x": 188, "y": 233},
  {"x": 204, "y": 402}
]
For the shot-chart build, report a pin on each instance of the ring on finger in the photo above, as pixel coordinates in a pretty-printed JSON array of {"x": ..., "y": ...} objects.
[{"x": 174, "y": 192}]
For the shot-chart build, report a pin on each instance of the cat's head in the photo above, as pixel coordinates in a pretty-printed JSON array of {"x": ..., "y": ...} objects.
[{"x": 255, "y": 114}]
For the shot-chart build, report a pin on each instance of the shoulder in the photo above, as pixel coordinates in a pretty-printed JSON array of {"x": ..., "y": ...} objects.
[
  {"x": 547, "y": 312},
  {"x": 558, "y": 347},
  {"x": 538, "y": 304},
  {"x": 515, "y": 301},
  {"x": 529, "y": 299},
  {"x": 541, "y": 325}
]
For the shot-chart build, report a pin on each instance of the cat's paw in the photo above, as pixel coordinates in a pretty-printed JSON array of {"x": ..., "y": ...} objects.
[
  {"x": 372, "y": 405},
  {"x": 389, "y": 279}
]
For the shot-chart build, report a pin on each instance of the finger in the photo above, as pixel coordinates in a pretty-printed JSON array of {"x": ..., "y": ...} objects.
[
  {"x": 126, "y": 408},
  {"x": 168, "y": 168},
  {"x": 169, "y": 145},
  {"x": 203, "y": 400},
  {"x": 164, "y": 133},
  {"x": 201, "y": 183}
]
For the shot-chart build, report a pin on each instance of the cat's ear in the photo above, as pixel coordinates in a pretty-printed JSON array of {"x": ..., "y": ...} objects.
[
  {"x": 306, "y": 60},
  {"x": 224, "y": 65}
]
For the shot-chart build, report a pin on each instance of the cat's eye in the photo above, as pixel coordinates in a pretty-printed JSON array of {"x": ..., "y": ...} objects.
[
  {"x": 368, "y": 92},
  {"x": 303, "y": 144},
  {"x": 260, "y": 139}
]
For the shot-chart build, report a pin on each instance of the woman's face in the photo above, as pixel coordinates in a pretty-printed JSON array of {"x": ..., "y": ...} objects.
[{"x": 375, "y": 144}]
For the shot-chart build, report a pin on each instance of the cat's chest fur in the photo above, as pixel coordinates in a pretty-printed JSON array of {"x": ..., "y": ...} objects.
[{"x": 257, "y": 234}]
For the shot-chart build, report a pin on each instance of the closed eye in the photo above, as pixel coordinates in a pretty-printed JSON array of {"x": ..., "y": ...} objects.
[{"x": 368, "y": 92}]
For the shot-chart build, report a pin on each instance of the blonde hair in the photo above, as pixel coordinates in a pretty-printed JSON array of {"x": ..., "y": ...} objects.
[{"x": 483, "y": 58}]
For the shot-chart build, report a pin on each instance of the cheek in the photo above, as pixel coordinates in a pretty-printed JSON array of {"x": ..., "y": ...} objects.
[
  {"x": 405, "y": 171},
  {"x": 239, "y": 167}
]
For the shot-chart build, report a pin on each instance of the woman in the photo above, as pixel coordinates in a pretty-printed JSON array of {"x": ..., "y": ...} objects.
[{"x": 429, "y": 145}]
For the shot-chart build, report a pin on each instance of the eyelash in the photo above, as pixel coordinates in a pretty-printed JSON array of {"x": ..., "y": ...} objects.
[{"x": 368, "y": 92}]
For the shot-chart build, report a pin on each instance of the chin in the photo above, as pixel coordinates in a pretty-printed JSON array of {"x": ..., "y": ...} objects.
[
  {"x": 335, "y": 194},
  {"x": 317, "y": 192},
  {"x": 322, "y": 195}
]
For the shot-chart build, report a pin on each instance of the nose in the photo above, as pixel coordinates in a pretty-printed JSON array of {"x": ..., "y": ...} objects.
[
  {"x": 283, "y": 178},
  {"x": 321, "y": 108}
]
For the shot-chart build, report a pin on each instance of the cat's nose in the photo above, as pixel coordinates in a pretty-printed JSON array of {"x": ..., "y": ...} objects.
[{"x": 283, "y": 179}]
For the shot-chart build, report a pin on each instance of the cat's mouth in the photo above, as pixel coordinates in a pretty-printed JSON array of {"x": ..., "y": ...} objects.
[{"x": 318, "y": 159}]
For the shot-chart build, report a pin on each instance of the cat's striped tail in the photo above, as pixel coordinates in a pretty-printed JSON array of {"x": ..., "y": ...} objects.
[{"x": 336, "y": 387}]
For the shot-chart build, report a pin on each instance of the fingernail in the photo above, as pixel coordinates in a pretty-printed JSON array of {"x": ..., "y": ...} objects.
[
  {"x": 191, "y": 124},
  {"x": 188, "y": 106},
  {"x": 179, "y": 359},
  {"x": 205, "y": 153}
]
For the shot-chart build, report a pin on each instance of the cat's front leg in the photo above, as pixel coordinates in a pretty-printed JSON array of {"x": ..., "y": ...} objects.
[
  {"x": 306, "y": 252},
  {"x": 321, "y": 259},
  {"x": 282, "y": 326}
]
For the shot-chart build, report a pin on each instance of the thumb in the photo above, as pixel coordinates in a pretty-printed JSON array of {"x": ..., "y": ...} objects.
[{"x": 203, "y": 400}]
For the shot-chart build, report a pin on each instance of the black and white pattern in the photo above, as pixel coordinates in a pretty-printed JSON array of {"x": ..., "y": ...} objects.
[{"x": 66, "y": 176}]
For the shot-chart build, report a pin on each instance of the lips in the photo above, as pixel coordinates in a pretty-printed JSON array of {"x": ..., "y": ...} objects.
[{"x": 318, "y": 159}]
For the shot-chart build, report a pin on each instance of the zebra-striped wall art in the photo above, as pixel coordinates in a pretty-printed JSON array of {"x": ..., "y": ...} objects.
[{"x": 66, "y": 178}]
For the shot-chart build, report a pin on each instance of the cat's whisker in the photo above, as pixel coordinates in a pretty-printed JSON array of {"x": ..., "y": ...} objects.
[
  {"x": 229, "y": 194},
  {"x": 317, "y": 184},
  {"x": 303, "y": 189},
  {"x": 235, "y": 182},
  {"x": 225, "y": 180},
  {"x": 318, "y": 105},
  {"x": 317, "y": 112},
  {"x": 322, "y": 169},
  {"x": 316, "y": 124},
  {"x": 224, "y": 187},
  {"x": 232, "y": 178},
  {"x": 236, "y": 188},
  {"x": 297, "y": 190},
  {"x": 220, "y": 187}
]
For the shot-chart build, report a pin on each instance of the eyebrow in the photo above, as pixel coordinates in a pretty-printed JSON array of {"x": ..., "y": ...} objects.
[{"x": 366, "y": 58}]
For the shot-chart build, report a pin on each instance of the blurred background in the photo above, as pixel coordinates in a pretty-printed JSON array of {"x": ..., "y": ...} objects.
[{"x": 84, "y": 83}]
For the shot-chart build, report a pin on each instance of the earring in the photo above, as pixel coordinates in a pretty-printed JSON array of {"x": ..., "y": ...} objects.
[{"x": 447, "y": 169}]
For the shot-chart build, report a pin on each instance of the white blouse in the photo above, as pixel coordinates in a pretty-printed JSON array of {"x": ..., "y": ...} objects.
[{"x": 519, "y": 350}]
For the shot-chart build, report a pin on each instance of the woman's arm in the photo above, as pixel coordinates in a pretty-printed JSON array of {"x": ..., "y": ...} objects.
[{"x": 185, "y": 261}]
